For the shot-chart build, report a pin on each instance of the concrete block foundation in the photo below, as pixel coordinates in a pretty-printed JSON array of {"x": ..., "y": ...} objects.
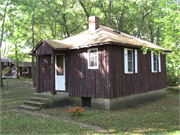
[
  {"x": 122, "y": 102},
  {"x": 60, "y": 99},
  {"x": 128, "y": 101},
  {"x": 63, "y": 98},
  {"x": 75, "y": 100}
]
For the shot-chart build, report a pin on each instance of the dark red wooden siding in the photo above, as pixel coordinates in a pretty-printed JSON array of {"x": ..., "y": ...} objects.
[
  {"x": 28, "y": 75},
  {"x": 126, "y": 84},
  {"x": 109, "y": 80},
  {"x": 84, "y": 82},
  {"x": 44, "y": 49},
  {"x": 44, "y": 75}
]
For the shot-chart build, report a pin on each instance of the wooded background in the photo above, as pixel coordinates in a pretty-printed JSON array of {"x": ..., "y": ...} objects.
[{"x": 25, "y": 22}]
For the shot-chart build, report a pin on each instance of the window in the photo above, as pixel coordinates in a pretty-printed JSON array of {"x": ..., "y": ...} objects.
[
  {"x": 159, "y": 61},
  {"x": 59, "y": 65},
  {"x": 128, "y": 60},
  {"x": 155, "y": 62},
  {"x": 6, "y": 63},
  {"x": 93, "y": 58},
  {"x": 25, "y": 70},
  {"x": 136, "y": 61}
]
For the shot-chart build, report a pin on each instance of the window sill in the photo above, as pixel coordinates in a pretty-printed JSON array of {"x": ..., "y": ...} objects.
[
  {"x": 24, "y": 73},
  {"x": 154, "y": 71},
  {"x": 129, "y": 73},
  {"x": 92, "y": 67}
]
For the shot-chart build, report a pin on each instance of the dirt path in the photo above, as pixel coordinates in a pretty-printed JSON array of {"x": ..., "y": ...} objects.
[{"x": 68, "y": 120}]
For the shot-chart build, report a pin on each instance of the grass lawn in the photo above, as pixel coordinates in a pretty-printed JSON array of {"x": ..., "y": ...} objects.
[{"x": 156, "y": 117}]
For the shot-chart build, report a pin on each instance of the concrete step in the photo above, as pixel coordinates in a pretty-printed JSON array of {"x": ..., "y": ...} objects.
[
  {"x": 35, "y": 104},
  {"x": 27, "y": 107},
  {"x": 43, "y": 94},
  {"x": 39, "y": 99}
]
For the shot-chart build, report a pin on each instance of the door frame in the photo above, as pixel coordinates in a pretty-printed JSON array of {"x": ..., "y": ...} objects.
[{"x": 63, "y": 71}]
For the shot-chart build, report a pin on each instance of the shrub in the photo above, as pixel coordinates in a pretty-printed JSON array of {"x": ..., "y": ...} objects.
[
  {"x": 172, "y": 78},
  {"x": 76, "y": 111}
]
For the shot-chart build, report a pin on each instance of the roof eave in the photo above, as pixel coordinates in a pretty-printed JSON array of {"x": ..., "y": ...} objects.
[{"x": 105, "y": 43}]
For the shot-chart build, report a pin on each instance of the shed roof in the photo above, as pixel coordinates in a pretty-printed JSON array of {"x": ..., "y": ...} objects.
[
  {"x": 101, "y": 36},
  {"x": 24, "y": 64}
]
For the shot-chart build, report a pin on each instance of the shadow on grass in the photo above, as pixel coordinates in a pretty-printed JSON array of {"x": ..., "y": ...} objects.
[{"x": 156, "y": 117}]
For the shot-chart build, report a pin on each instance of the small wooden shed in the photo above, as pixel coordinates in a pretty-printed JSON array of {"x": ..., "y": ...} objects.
[
  {"x": 101, "y": 68},
  {"x": 25, "y": 69}
]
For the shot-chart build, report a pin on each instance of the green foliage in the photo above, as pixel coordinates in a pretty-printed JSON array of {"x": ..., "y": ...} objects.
[
  {"x": 154, "y": 21},
  {"x": 76, "y": 111},
  {"x": 153, "y": 50},
  {"x": 172, "y": 78},
  {"x": 174, "y": 88}
]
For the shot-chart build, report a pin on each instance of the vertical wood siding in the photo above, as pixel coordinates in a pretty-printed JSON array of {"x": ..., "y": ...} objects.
[
  {"x": 28, "y": 75},
  {"x": 84, "y": 82},
  {"x": 109, "y": 80},
  {"x": 44, "y": 49},
  {"x": 37, "y": 74},
  {"x": 45, "y": 83},
  {"x": 126, "y": 84}
]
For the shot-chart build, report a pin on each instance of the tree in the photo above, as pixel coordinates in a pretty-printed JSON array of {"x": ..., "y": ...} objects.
[
  {"x": 2, "y": 32},
  {"x": 30, "y": 21}
]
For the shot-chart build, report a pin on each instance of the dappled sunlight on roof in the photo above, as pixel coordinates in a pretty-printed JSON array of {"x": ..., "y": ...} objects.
[{"x": 103, "y": 35}]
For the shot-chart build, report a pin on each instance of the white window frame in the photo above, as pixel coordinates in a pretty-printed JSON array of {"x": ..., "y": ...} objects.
[
  {"x": 25, "y": 72},
  {"x": 89, "y": 60},
  {"x": 159, "y": 61},
  {"x": 136, "y": 61},
  {"x": 153, "y": 63},
  {"x": 126, "y": 61}
]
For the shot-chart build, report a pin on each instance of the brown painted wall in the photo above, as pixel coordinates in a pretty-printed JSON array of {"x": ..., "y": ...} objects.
[
  {"x": 126, "y": 84},
  {"x": 109, "y": 81},
  {"x": 28, "y": 75},
  {"x": 44, "y": 49},
  {"x": 81, "y": 81},
  {"x": 43, "y": 78}
]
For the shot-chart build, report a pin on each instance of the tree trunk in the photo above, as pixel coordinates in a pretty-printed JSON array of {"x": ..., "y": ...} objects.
[
  {"x": 103, "y": 10},
  {"x": 109, "y": 21},
  {"x": 158, "y": 35},
  {"x": 150, "y": 32},
  {"x": 1, "y": 82},
  {"x": 144, "y": 15},
  {"x": 122, "y": 22},
  {"x": 65, "y": 25},
  {"x": 17, "y": 65},
  {"x": 32, "y": 69},
  {"x": 55, "y": 30},
  {"x": 84, "y": 8}
]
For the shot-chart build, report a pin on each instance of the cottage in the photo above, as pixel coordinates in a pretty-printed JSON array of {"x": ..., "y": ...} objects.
[
  {"x": 101, "y": 68},
  {"x": 25, "y": 69}
]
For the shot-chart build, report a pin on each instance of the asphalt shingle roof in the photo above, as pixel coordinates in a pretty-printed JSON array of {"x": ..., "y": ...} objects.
[{"x": 103, "y": 35}]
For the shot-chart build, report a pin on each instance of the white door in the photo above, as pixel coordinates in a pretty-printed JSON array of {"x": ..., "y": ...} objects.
[{"x": 60, "y": 72}]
